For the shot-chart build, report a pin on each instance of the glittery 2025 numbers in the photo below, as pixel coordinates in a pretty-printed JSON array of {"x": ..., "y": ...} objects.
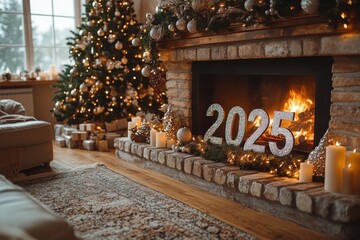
[{"x": 250, "y": 144}]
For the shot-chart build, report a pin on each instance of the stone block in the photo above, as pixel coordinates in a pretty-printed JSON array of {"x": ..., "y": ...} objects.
[
  {"x": 163, "y": 156},
  {"x": 257, "y": 187},
  {"x": 346, "y": 209},
  {"x": 250, "y": 51},
  {"x": 209, "y": 170},
  {"x": 154, "y": 154},
  {"x": 276, "y": 49},
  {"x": 348, "y": 96},
  {"x": 295, "y": 48},
  {"x": 120, "y": 143},
  {"x": 133, "y": 148},
  {"x": 127, "y": 146},
  {"x": 171, "y": 159},
  {"x": 179, "y": 55},
  {"x": 287, "y": 194},
  {"x": 323, "y": 204},
  {"x": 198, "y": 167},
  {"x": 203, "y": 54},
  {"x": 232, "y": 179},
  {"x": 140, "y": 150},
  {"x": 272, "y": 189},
  {"x": 232, "y": 52},
  {"x": 147, "y": 151},
  {"x": 340, "y": 45},
  {"x": 221, "y": 173},
  {"x": 304, "y": 199},
  {"x": 246, "y": 181},
  {"x": 346, "y": 79},
  {"x": 189, "y": 162},
  {"x": 311, "y": 47},
  {"x": 190, "y": 54},
  {"x": 219, "y": 53},
  {"x": 180, "y": 160}
]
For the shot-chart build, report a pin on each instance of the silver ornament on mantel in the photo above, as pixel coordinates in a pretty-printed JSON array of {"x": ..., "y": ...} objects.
[
  {"x": 317, "y": 156},
  {"x": 249, "y": 4},
  {"x": 310, "y": 6},
  {"x": 192, "y": 26},
  {"x": 181, "y": 24}
]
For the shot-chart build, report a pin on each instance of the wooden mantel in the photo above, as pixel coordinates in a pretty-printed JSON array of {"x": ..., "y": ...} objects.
[{"x": 296, "y": 27}]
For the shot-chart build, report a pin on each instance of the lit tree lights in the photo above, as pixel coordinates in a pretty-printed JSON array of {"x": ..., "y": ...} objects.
[{"x": 105, "y": 81}]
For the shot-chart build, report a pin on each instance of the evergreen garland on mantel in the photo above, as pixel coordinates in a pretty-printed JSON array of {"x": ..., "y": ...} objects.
[{"x": 173, "y": 18}]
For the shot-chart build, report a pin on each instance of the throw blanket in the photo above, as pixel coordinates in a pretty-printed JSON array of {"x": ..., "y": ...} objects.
[{"x": 14, "y": 118}]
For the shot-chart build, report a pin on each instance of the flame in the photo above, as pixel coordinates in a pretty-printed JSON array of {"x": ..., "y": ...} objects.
[
  {"x": 349, "y": 166},
  {"x": 337, "y": 143}
]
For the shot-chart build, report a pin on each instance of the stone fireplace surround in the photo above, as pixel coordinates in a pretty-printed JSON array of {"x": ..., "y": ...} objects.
[{"x": 306, "y": 204}]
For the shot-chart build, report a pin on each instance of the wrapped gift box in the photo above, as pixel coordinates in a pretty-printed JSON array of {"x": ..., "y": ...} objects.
[
  {"x": 60, "y": 141},
  {"x": 70, "y": 143},
  {"x": 79, "y": 135},
  {"x": 103, "y": 146},
  {"x": 68, "y": 130},
  {"x": 89, "y": 145},
  {"x": 58, "y": 129},
  {"x": 110, "y": 137}
]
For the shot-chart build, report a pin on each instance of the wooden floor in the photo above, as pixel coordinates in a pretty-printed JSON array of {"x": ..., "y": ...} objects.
[{"x": 260, "y": 225}]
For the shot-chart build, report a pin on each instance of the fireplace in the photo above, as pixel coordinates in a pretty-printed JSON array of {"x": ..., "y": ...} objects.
[
  {"x": 301, "y": 85},
  {"x": 336, "y": 52}
]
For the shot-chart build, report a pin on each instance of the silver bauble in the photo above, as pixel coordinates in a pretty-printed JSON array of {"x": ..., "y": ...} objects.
[
  {"x": 249, "y": 4},
  {"x": 135, "y": 42},
  {"x": 171, "y": 27},
  {"x": 124, "y": 60},
  {"x": 118, "y": 45},
  {"x": 181, "y": 24},
  {"x": 310, "y": 6},
  {"x": 146, "y": 71},
  {"x": 192, "y": 26},
  {"x": 147, "y": 56},
  {"x": 184, "y": 134}
]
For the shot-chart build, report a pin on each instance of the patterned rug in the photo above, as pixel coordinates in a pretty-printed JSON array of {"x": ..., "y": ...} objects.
[{"x": 102, "y": 204}]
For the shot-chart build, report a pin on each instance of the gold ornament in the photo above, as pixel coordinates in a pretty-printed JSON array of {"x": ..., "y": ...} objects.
[
  {"x": 184, "y": 135},
  {"x": 146, "y": 71},
  {"x": 118, "y": 45}
]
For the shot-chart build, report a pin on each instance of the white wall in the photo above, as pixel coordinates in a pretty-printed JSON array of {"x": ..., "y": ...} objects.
[{"x": 144, "y": 6}]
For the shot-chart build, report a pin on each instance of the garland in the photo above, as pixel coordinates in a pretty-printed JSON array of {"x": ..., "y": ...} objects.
[{"x": 173, "y": 18}]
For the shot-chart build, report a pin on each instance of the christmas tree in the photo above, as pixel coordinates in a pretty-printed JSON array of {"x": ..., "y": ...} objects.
[{"x": 104, "y": 82}]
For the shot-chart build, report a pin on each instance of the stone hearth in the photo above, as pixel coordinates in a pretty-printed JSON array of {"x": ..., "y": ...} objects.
[{"x": 307, "y": 204}]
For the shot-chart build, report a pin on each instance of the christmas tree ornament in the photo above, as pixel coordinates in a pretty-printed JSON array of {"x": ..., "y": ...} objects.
[
  {"x": 249, "y": 4},
  {"x": 171, "y": 27},
  {"x": 156, "y": 33},
  {"x": 126, "y": 70},
  {"x": 100, "y": 32},
  {"x": 147, "y": 56},
  {"x": 181, "y": 24},
  {"x": 317, "y": 156},
  {"x": 99, "y": 84},
  {"x": 184, "y": 135},
  {"x": 118, "y": 65},
  {"x": 118, "y": 45},
  {"x": 310, "y": 6},
  {"x": 124, "y": 60},
  {"x": 95, "y": 4},
  {"x": 117, "y": 13},
  {"x": 136, "y": 42},
  {"x": 192, "y": 26},
  {"x": 86, "y": 63},
  {"x": 83, "y": 87},
  {"x": 111, "y": 38},
  {"x": 73, "y": 92}
]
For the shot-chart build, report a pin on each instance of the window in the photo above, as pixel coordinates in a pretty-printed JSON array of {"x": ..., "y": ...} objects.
[{"x": 33, "y": 33}]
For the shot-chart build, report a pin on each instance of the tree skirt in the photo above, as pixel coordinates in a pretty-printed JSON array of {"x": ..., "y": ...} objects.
[{"x": 102, "y": 204}]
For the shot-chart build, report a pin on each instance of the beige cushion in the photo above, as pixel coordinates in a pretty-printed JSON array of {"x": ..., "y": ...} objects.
[
  {"x": 21, "y": 212},
  {"x": 10, "y": 106},
  {"x": 24, "y": 134}
]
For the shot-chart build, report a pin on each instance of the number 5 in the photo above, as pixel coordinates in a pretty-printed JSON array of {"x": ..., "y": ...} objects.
[{"x": 277, "y": 130}]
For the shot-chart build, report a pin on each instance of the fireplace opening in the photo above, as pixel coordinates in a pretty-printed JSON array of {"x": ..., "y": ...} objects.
[{"x": 300, "y": 85}]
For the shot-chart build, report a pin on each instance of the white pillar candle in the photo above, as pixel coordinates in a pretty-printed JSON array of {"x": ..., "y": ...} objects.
[
  {"x": 347, "y": 180},
  {"x": 137, "y": 121},
  {"x": 353, "y": 158},
  {"x": 306, "y": 172},
  {"x": 334, "y": 164},
  {"x": 131, "y": 125},
  {"x": 153, "y": 137},
  {"x": 160, "y": 140}
]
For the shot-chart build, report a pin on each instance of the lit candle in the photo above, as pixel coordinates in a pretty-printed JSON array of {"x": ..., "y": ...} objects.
[
  {"x": 131, "y": 125},
  {"x": 334, "y": 164},
  {"x": 160, "y": 140},
  {"x": 347, "y": 180},
  {"x": 153, "y": 137},
  {"x": 137, "y": 121},
  {"x": 306, "y": 172},
  {"x": 353, "y": 158}
]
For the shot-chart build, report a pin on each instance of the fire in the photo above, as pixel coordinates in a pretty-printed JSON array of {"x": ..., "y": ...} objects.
[{"x": 303, "y": 107}]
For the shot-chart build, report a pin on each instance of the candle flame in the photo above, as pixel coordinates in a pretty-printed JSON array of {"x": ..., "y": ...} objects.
[
  {"x": 337, "y": 144},
  {"x": 354, "y": 151},
  {"x": 349, "y": 165}
]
